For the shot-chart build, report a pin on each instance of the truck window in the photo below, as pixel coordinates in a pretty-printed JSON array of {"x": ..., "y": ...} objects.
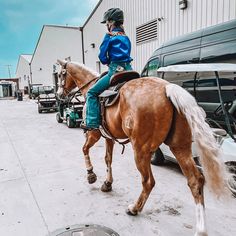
[
  {"x": 225, "y": 35},
  {"x": 207, "y": 90},
  {"x": 182, "y": 57},
  {"x": 144, "y": 72},
  {"x": 220, "y": 52},
  {"x": 152, "y": 67}
]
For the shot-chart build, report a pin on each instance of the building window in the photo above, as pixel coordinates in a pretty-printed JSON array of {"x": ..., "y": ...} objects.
[{"x": 146, "y": 32}]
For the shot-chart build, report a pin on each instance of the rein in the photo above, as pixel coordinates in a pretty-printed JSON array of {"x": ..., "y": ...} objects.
[{"x": 83, "y": 86}]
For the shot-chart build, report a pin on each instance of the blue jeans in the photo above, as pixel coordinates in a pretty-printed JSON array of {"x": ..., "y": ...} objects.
[{"x": 93, "y": 113}]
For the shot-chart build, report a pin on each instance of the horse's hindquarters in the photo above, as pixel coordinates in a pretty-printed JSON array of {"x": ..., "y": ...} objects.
[{"x": 145, "y": 111}]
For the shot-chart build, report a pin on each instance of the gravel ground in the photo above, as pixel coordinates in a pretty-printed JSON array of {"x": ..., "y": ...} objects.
[{"x": 44, "y": 188}]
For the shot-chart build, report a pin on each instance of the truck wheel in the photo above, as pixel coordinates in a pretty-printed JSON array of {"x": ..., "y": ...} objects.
[
  {"x": 70, "y": 123},
  {"x": 58, "y": 118},
  {"x": 231, "y": 177},
  {"x": 158, "y": 158},
  {"x": 39, "y": 108}
]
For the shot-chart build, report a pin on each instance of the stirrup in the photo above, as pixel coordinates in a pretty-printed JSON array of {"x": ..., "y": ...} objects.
[{"x": 86, "y": 128}]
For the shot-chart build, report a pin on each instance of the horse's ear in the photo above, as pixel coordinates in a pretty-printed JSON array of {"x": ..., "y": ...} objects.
[{"x": 60, "y": 62}]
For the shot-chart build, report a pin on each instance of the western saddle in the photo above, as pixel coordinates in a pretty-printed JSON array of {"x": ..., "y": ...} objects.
[{"x": 111, "y": 95}]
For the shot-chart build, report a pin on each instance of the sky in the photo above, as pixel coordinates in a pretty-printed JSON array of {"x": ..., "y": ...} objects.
[{"x": 21, "y": 22}]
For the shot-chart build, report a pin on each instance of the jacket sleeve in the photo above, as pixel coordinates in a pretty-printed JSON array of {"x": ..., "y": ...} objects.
[{"x": 103, "y": 55}]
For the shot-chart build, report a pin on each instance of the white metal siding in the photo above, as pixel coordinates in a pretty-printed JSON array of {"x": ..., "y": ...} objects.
[
  {"x": 199, "y": 14},
  {"x": 23, "y": 72},
  {"x": 55, "y": 43}
]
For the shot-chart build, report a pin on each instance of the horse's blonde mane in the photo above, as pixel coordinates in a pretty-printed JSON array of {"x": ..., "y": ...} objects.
[{"x": 87, "y": 69}]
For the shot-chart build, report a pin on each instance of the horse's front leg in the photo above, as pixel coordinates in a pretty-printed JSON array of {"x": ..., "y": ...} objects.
[
  {"x": 107, "y": 185},
  {"x": 91, "y": 138}
]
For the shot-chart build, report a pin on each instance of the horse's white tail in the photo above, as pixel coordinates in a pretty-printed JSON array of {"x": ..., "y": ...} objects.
[{"x": 213, "y": 167}]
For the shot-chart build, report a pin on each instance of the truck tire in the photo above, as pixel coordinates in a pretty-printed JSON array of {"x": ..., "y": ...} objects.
[
  {"x": 58, "y": 118},
  {"x": 70, "y": 123},
  {"x": 158, "y": 158}
]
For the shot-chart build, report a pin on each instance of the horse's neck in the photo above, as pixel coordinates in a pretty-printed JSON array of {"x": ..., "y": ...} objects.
[
  {"x": 85, "y": 89},
  {"x": 83, "y": 77}
]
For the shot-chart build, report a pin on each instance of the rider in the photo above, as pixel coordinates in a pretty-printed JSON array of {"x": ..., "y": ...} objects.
[{"x": 115, "y": 53}]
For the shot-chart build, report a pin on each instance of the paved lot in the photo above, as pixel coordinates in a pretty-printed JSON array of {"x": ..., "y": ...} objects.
[{"x": 43, "y": 184}]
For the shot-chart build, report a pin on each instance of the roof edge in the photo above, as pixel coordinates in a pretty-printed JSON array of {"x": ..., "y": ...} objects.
[
  {"x": 90, "y": 16},
  {"x": 63, "y": 26},
  {"x": 22, "y": 54}
]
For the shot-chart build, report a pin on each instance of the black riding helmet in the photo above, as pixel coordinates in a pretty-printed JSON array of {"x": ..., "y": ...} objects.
[{"x": 115, "y": 14}]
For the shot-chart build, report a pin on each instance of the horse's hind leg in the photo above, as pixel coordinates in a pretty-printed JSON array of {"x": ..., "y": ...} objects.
[
  {"x": 107, "y": 185},
  {"x": 91, "y": 138},
  {"x": 195, "y": 180},
  {"x": 143, "y": 160}
]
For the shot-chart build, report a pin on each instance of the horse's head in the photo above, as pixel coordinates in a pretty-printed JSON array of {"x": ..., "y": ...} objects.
[{"x": 65, "y": 81}]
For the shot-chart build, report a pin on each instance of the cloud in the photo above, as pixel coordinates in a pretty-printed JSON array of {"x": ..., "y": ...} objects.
[{"x": 93, "y": 2}]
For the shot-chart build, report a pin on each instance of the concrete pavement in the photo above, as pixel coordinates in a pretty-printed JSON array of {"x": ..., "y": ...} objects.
[{"x": 43, "y": 184}]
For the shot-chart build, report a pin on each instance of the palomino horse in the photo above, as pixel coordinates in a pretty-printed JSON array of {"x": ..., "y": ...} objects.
[{"x": 151, "y": 111}]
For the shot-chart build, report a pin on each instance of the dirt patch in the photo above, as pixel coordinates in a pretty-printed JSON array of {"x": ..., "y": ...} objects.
[{"x": 171, "y": 210}]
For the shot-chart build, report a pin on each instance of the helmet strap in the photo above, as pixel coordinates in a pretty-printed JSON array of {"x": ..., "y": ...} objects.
[{"x": 110, "y": 25}]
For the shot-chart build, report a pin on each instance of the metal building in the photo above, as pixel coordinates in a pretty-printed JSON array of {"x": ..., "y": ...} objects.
[
  {"x": 8, "y": 87},
  {"x": 23, "y": 70},
  {"x": 149, "y": 23},
  {"x": 55, "y": 42}
]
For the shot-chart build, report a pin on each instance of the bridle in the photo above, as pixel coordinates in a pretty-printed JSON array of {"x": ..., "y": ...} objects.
[{"x": 64, "y": 72}]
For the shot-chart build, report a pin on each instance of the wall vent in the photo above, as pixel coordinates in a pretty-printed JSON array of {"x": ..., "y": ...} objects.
[{"x": 146, "y": 32}]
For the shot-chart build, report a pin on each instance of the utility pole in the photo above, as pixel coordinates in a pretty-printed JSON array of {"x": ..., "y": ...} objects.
[
  {"x": 9, "y": 70},
  {"x": 30, "y": 73}
]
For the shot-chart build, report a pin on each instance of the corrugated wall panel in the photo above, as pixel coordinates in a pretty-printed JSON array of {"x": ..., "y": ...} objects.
[
  {"x": 232, "y": 7},
  {"x": 220, "y": 10},
  {"x": 199, "y": 14},
  {"x": 226, "y": 10}
]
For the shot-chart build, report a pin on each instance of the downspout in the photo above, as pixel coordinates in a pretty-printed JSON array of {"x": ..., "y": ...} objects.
[{"x": 82, "y": 39}]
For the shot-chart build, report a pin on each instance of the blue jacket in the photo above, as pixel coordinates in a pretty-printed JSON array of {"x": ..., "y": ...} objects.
[{"x": 115, "y": 48}]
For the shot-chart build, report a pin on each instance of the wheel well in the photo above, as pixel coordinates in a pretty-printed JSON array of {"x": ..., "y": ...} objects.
[{"x": 231, "y": 166}]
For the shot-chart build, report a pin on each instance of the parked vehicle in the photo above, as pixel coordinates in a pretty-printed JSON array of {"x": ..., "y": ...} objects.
[
  {"x": 32, "y": 87},
  {"x": 225, "y": 138},
  {"x": 47, "y": 102},
  {"x": 36, "y": 90},
  {"x": 213, "y": 44},
  {"x": 71, "y": 110},
  {"x": 210, "y": 45}
]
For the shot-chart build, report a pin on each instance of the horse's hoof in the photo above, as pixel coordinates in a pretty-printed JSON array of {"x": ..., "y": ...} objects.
[
  {"x": 92, "y": 178},
  {"x": 106, "y": 187},
  {"x": 130, "y": 211},
  {"x": 201, "y": 234}
]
